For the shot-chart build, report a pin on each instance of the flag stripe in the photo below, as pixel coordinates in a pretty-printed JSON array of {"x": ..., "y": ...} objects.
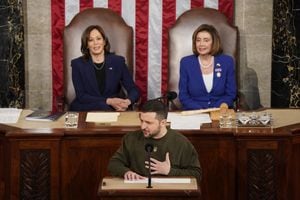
[
  {"x": 226, "y": 7},
  {"x": 141, "y": 51},
  {"x": 84, "y": 4},
  {"x": 150, "y": 20},
  {"x": 169, "y": 17},
  {"x": 128, "y": 14},
  {"x": 154, "y": 49},
  {"x": 100, "y": 3},
  {"x": 197, "y": 3},
  {"x": 57, "y": 23},
  {"x": 182, "y": 6},
  {"x": 71, "y": 9},
  {"x": 211, "y": 4},
  {"x": 115, "y": 5}
]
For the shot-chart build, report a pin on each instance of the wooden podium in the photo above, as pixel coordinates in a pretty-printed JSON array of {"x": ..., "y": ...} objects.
[{"x": 162, "y": 188}]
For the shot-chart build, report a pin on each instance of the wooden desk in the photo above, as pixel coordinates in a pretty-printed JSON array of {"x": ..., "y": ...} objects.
[
  {"x": 115, "y": 188},
  {"x": 50, "y": 162}
]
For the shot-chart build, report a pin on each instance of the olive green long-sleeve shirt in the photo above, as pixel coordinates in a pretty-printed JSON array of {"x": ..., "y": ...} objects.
[{"x": 132, "y": 155}]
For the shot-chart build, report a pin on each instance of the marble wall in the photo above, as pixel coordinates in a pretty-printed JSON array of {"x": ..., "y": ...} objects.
[
  {"x": 12, "y": 91},
  {"x": 286, "y": 54},
  {"x": 252, "y": 17}
]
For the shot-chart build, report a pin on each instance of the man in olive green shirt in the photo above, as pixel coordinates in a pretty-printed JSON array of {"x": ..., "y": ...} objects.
[{"x": 172, "y": 155}]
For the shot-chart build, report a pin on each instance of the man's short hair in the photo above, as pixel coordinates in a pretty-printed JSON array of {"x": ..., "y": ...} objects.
[{"x": 156, "y": 106}]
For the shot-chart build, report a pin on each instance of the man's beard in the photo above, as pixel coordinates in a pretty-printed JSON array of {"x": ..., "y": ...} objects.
[{"x": 154, "y": 133}]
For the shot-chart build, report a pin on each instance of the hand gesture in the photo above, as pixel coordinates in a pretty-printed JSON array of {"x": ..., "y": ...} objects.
[{"x": 158, "y": 167}]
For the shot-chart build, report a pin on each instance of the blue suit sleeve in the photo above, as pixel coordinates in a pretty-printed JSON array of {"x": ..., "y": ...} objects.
[{"x": 230, "y": 85}]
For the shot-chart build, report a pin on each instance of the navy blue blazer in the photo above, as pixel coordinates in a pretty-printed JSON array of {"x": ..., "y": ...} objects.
[
  {"x": 88, "y": 96},
  {"x": 192, "y": 91}
]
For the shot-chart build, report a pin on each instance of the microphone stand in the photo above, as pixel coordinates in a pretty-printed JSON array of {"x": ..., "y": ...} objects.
[
  {"x": 149, "y": 149},
  {"x": 149, "y": 173}
]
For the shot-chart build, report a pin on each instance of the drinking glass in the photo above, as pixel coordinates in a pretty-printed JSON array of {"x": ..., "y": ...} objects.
[{"x": 71, "y": 120}]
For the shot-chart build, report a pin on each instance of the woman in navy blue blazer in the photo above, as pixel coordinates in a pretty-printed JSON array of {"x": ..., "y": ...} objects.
[
  {"x": 207, "y": 78},
  {"x": 98, "y": 75}
]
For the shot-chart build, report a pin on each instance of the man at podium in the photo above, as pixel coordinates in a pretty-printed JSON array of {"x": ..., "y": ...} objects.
[{"x": 171, "y": 153}]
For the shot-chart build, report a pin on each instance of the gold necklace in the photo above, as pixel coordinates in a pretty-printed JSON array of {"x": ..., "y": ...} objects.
[{"x": 101, "y": 67}]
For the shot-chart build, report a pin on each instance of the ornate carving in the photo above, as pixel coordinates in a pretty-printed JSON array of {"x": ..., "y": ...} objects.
[
  {"x": 261, "y": 175},
  {"x": 35, "y": 174}
]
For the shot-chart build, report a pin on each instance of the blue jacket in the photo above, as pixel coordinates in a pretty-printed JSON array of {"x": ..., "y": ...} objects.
[
  {"x": 192, "y": 91},
  {"x": 88, "y": 96}
]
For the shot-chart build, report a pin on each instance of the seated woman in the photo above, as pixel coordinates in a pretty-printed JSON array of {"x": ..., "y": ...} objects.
[
  {"x": 207, "y": 78},
  {"x": 98, "y": 75}
]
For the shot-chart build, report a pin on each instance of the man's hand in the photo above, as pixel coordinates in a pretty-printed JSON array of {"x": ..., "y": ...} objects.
[
  {"x": 130, "y": 175},
  {"x": 158, "y": 167}
]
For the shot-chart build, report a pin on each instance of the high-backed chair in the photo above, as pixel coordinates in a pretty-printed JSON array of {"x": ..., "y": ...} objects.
[
  {"x": 119, "y": 34},
  {"x": 180, "y": 40}
]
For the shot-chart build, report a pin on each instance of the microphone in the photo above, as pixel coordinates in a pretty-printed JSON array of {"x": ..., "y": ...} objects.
[
  {"x": 171, "y": 95},
  {"x": 149, "y": 149},
  {"x": 167, "y": 98}
]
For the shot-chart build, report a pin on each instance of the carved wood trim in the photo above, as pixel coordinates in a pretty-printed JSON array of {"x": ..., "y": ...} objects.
[
  {"x": 261, "y": 174},
  {"x": 35, "y": 174}
]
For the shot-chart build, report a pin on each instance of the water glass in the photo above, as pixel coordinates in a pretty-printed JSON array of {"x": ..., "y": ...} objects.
[
  {"x": 71, "y": 120},
  {"x": 226, "y": 120}
]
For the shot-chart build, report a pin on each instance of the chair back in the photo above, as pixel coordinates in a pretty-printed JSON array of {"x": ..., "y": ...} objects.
[
  {"x": 119, "y": 34},
  {"x": 180, "y": 40}
]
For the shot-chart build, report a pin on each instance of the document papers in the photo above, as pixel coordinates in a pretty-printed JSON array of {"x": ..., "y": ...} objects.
[
  {"x": 9, "y": 115},
  {"x": 185, "y": 122},
  {"x": 161, "y": 180},
  {"x": 102, "y": 117}
]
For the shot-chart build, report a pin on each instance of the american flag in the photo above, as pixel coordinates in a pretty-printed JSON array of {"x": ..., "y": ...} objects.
[{"x": 150, "y": 20}]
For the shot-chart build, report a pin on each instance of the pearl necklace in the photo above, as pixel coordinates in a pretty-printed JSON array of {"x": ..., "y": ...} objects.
[
  {"x": 101, "y": 67},
  {"x": 208, "y": 65}
]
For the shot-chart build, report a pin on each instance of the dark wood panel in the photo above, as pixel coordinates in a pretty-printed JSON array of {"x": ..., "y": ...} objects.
[
  {"x": 34, "y": 169},
  {"x": 2, "y": 164},
  {"x": 217, "y": 158},
  {"x": 84, "y": 164},
  {"x": 294, "y": 170},
  {"x": 262, "y": 168}
]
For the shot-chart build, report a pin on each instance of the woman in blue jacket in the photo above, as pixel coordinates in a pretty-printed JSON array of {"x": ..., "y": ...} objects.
[
  {"x": 207, "y": 78},
  {"x": 98, "y": 75}
]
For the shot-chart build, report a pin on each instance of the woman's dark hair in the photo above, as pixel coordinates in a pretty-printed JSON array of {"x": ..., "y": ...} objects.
[
  {"x": 216, "y": 41},
  {"x": 156, "y": 106},
  {"x": 85, "y": 38}
]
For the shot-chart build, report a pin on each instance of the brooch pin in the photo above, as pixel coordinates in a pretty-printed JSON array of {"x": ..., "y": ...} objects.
[{"x": 218, "y": 70}]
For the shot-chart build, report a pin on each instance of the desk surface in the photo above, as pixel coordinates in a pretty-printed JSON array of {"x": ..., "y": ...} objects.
[
  {"x": 113, "y": 186},
  {"x": 114, "y": 183},
  {"x": 281, "y": 118}
]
